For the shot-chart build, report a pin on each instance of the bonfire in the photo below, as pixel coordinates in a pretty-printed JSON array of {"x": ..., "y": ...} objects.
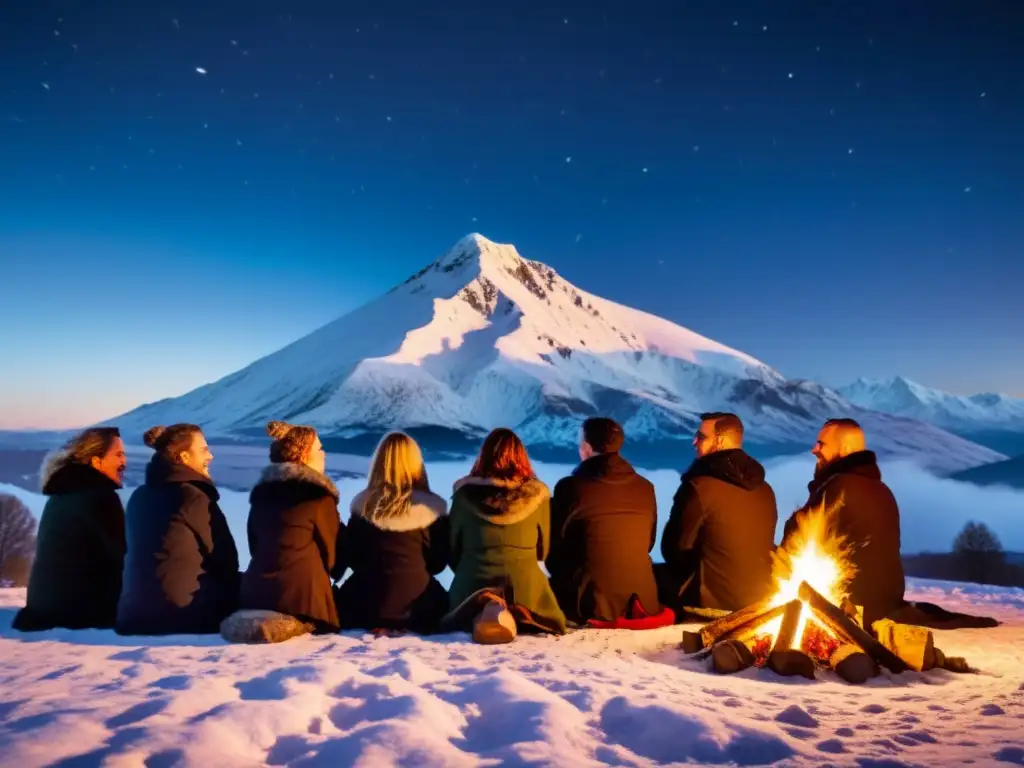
[{"x": 809, "y": 622}]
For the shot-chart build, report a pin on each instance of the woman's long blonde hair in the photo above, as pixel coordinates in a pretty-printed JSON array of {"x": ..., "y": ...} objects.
[{"x": 396, "y": 470}]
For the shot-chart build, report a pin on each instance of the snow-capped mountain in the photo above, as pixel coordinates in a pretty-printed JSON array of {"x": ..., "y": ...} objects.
[
  {"x": 980, "y": 416},
  {"x": 483, "y": 338}
]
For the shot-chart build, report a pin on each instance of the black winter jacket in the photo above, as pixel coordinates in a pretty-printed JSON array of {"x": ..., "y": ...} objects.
[
  {"x": 394, "y": 552},
  {"x": 75, "y": 580},
  {"x": 181, "y": 571}
]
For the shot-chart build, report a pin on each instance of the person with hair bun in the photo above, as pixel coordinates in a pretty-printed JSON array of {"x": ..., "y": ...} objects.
[
  {"x": 397, "y": 543},
  {"x": 294, "y": 530},
  {"x": 500, "y": 529},
  {"x": 181, "y": 571},
  {"x": 76, "y": 574}
]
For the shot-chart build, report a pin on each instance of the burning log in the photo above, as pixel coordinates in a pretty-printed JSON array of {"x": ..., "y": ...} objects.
[
  {"x": 915, "y": 645},
  {"x": 749, "y": 628},
  {"x": 790, "y": 623},
  {"x": 852, "y": 664},
  {"x": 847, "y": 630},
  {"x": 791, "y": 662},
  {"x": 731, "y": 656},
  {"x": 718, "y": 629}
]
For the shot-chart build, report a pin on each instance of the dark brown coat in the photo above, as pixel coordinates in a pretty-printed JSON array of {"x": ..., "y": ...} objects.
[
  {"x": 604, "y": 520},
  {"x": 720, "y": 535},
  {"x": 394, "y": 553},
  {"x": 865, "y": 513},
  {"x": 293, "y": 532}
]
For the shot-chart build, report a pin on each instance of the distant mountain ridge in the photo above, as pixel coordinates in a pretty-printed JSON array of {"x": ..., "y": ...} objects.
[
  {"x": 988, "y": 418},
  {"x": 482, "y": 338}
]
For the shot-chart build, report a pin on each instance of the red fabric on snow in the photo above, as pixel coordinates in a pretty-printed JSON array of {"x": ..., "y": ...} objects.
[{"x": 636, "y": 618}]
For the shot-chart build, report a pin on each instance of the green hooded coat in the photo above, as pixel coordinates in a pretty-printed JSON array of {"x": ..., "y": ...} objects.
[{"x": 499, "y": 531}]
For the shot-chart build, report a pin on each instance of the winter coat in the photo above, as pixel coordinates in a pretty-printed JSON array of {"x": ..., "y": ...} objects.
[
  {"x": 76, "y": 574},
  {"x": 499, "y": 530},
  {"x": 294, "y": 532},
  {"x": 863, "y": 511},
  {"x": 721, "y": 532},
  {"x": 181, "y": 571},
  {"x": 604, "y": 520},
  {"x": 394, "y": 553}
]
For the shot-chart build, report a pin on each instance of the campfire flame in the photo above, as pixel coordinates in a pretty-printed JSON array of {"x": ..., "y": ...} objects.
[{"x": 814, "y": 554}]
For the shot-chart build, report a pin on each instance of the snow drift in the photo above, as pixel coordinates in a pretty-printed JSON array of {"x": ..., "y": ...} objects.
[{"x": 596, "y": 697}]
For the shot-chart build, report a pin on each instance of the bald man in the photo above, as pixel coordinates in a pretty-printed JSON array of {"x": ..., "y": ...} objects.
[{"x": 866, "y": 513}]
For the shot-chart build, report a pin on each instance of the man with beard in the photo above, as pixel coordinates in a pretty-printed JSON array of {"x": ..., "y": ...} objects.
[
  {"x": 720, "y": 534},
  {"x": 848, "y": 485},
  {"x": 76, "y": 574}
]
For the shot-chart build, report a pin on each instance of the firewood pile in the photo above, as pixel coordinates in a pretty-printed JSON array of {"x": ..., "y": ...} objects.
[{"x": 831, "y": 638}]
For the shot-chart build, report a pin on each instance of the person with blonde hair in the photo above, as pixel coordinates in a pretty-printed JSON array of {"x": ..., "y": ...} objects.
[
  {"x": 75, "y": 580},
  {"x": 181, "y": 570},
  {"x": 500, "y": 529},
  {"x": 293, "y": 530},
  {"x": 397, "y": 543}
]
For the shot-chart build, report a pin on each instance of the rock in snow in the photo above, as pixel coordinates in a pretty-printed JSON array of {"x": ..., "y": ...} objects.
[
  {"x": 483, "y": 338},
  {"x": 594, "y": 697}
]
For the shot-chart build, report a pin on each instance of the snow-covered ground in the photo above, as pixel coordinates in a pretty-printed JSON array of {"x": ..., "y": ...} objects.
[{"x": 593, "y": 697}]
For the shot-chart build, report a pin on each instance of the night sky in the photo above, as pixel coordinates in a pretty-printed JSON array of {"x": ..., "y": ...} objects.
[{"x": 834, "y": 188}]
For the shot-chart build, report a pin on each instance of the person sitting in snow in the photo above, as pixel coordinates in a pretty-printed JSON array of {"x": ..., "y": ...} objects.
[
  {"x": 500, "y": 529},
  {"x": 181, "y": 570},
  {"x": 294, "y": 532},
  {"x": 604, "y": 521},
  {"x": 75, "y": 580},
  {"x": 397, "y": 542},
  {"x": 848, "y": 485},
  {"x": 720, "y": 535}
]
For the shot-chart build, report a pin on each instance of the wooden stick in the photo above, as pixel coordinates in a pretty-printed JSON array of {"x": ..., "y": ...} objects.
[
  {"x": 749, "y": 628},
  {"x": 847, "y": 630},
  {"x": 711, "y": 633},
  {"x": 790, "y": 621}
]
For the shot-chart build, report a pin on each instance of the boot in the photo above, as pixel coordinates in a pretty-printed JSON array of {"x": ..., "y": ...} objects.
[{"x": 494, "y": 624}]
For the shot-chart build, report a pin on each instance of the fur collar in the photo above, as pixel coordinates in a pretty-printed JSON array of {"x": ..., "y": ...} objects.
[
  {"x": 60, "y": 475},
  {"x": 419, "y": 510},
  {"x": 503, "y": 502},
  {"x": 293, "y": 472}
]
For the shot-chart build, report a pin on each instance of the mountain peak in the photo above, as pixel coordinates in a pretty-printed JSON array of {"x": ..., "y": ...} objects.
[{"x": 474, "y": 247}]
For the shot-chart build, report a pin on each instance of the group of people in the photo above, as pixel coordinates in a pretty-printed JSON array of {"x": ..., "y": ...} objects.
[{"x": 168, "y": 563}]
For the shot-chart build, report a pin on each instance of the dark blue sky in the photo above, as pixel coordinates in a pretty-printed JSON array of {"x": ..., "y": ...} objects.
[{"x": 834, "y": 188}]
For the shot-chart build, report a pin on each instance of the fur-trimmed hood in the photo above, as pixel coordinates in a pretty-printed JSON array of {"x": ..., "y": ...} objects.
[
  {"x": 59, "y": 474},
  {"x": 503, "y": 502},
  {"x": 293, "y": 472},
  {"x": 419, "y": 510}
]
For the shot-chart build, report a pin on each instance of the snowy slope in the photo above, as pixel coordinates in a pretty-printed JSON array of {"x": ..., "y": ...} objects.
[
  {"x": 484, "y": 338},
  {"x": 965, "y": 413},
  {"x": 92, "y": 698}
]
